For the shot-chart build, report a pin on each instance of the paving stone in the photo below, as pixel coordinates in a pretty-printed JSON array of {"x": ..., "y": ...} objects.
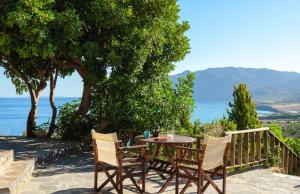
[
  {"x": 47, "y": 187},
  {"x": 257, "y": 181},
  {"x": 6, "y": 157},
  {"x": 16, "y": 175}
]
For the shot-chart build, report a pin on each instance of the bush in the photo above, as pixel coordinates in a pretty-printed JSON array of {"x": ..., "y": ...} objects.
[
  {"x": 274, "y": 157},
  {"x": 195, "y": 130},
  {"x": 292, "y": 142},
  {"x": 41, "y": 130},
  {"x": 75, "y": 125},
  {"x": 215, "y": 128}
]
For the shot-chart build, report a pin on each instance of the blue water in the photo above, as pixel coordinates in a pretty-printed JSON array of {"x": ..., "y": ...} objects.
[
  {"x": 208, "y": 111},
  {"x": 14, "y": 111}
]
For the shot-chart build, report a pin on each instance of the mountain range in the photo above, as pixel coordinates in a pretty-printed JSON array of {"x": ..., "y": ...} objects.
[{"x": 266, "y": 85}]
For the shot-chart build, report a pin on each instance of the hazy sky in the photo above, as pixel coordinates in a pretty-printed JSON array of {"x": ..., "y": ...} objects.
[{"x": 241, "y": 33}]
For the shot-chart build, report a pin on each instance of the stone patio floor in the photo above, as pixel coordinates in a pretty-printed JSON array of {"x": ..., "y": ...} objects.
[
  {"x": 74, "y": 174},
  {"x": 26, "y": 148}
]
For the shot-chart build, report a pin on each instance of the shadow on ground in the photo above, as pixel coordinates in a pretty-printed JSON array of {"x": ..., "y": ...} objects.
[
  {"x": 25, "y": 148},
  {"x": 79, "y": 163}
]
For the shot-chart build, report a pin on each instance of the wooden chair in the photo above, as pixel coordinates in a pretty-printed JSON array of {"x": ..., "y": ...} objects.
[
  {"x": 210, "y": 162},
  {"x": 108, "y": 159}
]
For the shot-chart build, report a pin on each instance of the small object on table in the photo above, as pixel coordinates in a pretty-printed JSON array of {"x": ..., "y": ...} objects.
[
  {"x": 171, "y": 136},
  {"x": 128, "y": 142},
  {"x": 156, "y": 132},
  {"x": 147, "y": 134},
  {"x": 162, "y": 138}
]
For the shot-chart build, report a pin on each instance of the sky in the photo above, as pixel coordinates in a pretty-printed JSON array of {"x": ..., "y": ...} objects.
[{"x": 239, "y": 33}]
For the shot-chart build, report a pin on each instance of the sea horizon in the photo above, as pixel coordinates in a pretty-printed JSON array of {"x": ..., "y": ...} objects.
[{"x": 14, "y": 112}]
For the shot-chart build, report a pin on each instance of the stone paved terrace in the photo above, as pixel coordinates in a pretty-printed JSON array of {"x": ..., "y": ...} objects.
[
  {"x": 27, "y": 148},
  {"x": 74, "y": 174}
]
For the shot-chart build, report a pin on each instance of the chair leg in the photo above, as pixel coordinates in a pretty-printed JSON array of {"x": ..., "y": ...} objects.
[
  {"x": 121, "y": 182},
  {"x": 200, "y": 181},
  {"x": 177, "y": 181},
  {"x": 95, "y": 180},
  {"x": 224, "y": 179},
  {"x": 107, "y": 181},
  {"x": 143, "y": 178}
]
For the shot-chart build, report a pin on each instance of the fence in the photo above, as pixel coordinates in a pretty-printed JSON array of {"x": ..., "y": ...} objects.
[{"x": 250, "y": 147}]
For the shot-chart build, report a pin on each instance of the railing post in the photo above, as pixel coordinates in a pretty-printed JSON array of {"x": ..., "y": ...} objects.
[
  {"x": 232, "y": 150},
  {"x": 295, "y": 162},
  {"x": 252, "y": 147},
  {"x": 291, "y": 160},
  {"x": 281, "y": 164},
  {"x": 258, "y": 146},
  {"x": 266, "y": 145},
  {"x": 246, "y": 150},
  {"x": 272, "y": 143},
  {"x": 286, "y": 159},
  {"x": 239, "y": 151}
]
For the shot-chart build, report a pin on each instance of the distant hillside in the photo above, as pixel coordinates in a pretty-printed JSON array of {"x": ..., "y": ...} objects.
[{"x": 266, "y": 85}]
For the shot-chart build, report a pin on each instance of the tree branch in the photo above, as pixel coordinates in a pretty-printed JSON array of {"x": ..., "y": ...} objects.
[
  {"x": 11, "y": 66},
  {"x": 77, "y": 65}
]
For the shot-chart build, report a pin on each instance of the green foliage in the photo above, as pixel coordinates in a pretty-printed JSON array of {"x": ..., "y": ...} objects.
[
  {"x": 147, "y": 105},
  {"x": 195, "y": 130},
  {"x": 277, "y": 130},
  {"x": 292, "y": 142},
  {"x": 124, "y": 49},
  {"x": 227, "y": 125},
  {"x": 242, "y": 109},
  {"x": 67, "y": 118},
  {"x": 274, "y": 157}
]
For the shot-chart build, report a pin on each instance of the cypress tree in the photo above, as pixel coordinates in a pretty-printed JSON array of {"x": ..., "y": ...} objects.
[{"x": 243, "y": 109}]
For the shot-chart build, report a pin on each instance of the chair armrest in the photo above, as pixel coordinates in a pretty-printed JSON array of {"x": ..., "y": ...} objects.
[
  {"x": 141, "y": 149},
  {"x": 183, "y": 158},
  {"x": 187, "y": 148},
  {"x": 133, "y": 147}
]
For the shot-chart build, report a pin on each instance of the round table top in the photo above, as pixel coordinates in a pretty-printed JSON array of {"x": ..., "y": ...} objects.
[{"x": 177, "y": 139}]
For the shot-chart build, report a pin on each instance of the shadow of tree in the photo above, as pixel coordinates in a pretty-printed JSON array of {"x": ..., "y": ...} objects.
[
  {"x": 27, "y": 148},
  {"x": 82, "y": 162},
  {"x": 75, "y": 191}
]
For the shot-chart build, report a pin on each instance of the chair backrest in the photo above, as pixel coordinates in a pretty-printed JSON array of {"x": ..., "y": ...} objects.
[
  {"x": 214, "y": 152},
  {"x": 105, "y": 147}
]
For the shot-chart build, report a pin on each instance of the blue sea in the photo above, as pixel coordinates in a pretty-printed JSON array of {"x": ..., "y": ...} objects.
[{"x": 14, "y": 112}]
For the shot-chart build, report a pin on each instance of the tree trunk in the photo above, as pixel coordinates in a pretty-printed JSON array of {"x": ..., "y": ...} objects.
[
  {"x": 52, "y": 104},
  {"x": 34, "y": 94},
  {"x": 85, "y": 99},
  {"x": 31, "y": 125},
  {"x": 34, "y": 97},
  {"x": 84, "y": 74},
  {"x": 83, "y": 107}
]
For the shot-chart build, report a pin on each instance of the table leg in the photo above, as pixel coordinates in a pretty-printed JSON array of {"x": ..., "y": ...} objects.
[
  {"x": 167, "y": 183},
  {"x": 173, "y": 174},
  {"x": 151, "y": 162}
]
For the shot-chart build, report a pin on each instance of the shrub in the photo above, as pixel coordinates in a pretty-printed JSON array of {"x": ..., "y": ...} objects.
[
  {"x": 274, "y": 157},
  {"x": 293, "y": 143},
  {"x": 69, "y": 119},
  {"x": 195, "y": 130}
]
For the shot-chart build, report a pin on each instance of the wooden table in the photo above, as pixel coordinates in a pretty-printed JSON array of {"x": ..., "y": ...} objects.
[{"x": 162, "y": 166}]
